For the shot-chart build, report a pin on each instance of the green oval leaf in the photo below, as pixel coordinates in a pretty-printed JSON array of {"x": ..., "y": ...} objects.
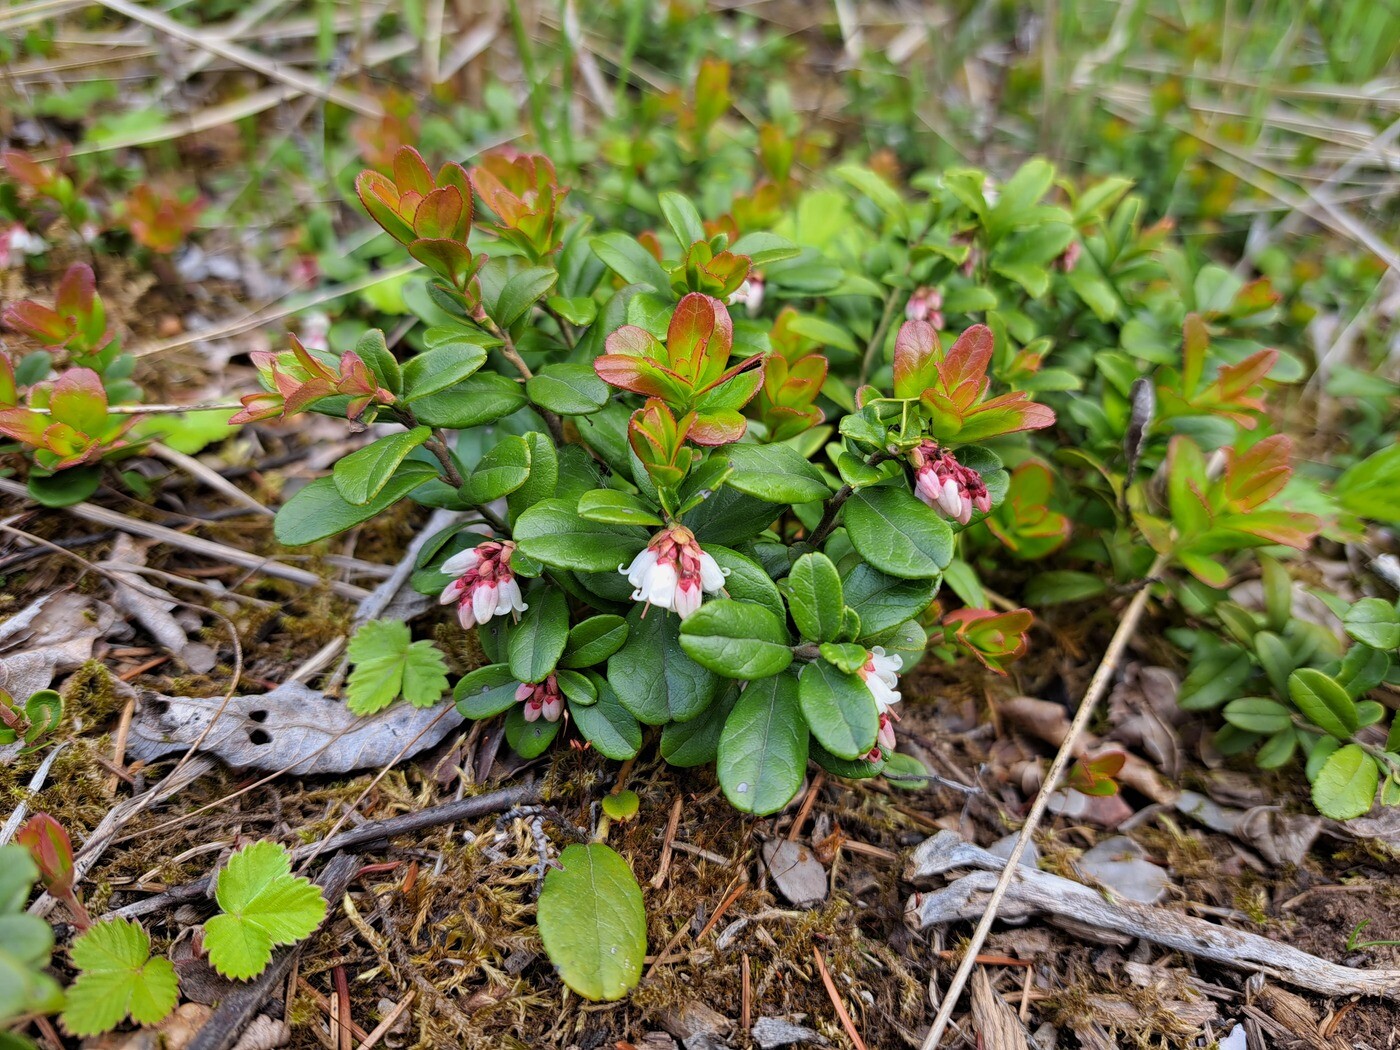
[
  {"x": 653, "y": 676},
  {"x": 594, "y": 640},
  {"x": 895, "y": 532},
  {"x": 1346, "y": 785},
  {"x": 762, "y": 754},
  {"x": 486, "y": 691},
  {"x": 736, "y": 639},
  {"x": 839, "y": 708},
  {"x": 607, "y": 725},
  {"x": 319, "y": 510},
  {"x": 815, "y": 597},
  {"x": 593, "y": 922},
  {"x": 553, "y": 532},
  {"x": 360, "y": 476},
  {"x": 1258, "y": 714},
  {"x": 570, "y": 389},
  {"x": 499, "y": 473},
  {"x": 437, "y": 369},
  {"x": 1323, "y": 702},
  {"x": 775, "y": 473},
  {"x": 534, "y": 645},
  {"x": 529, "y": 739}
]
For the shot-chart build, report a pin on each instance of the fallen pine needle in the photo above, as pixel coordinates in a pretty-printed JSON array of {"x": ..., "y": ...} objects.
[{"x": 846, "y": 1022}]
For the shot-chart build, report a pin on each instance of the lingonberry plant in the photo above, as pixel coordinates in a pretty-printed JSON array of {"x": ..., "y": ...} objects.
[{"x": 658, "y": 524}]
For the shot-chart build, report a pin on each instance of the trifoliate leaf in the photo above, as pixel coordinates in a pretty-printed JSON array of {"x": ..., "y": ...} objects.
[
  {"x": 388, "y": 664},
  {"x": 118, "y": 977},
  {"x": 264, "y": 905}
]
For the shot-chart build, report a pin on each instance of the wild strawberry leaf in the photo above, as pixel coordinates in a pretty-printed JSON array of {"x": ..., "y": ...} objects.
[
  {"x": 264, "y": 905},
  {"x": 389, "y": 664},
  {"x": 117, "y": 978}
]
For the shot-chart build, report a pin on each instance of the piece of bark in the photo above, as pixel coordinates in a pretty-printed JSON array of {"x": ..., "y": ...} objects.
[
  {"x": 997, "y": 1026},
  {"x": 771, "y": 1032},
  {"x": 1039, "y": 892}
]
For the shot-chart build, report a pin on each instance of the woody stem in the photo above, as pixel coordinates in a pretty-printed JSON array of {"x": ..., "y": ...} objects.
[
  {"x": 438, "y": 447},
  {"x": 833, "y": 506},
  {"x": 555, "y": 424}
]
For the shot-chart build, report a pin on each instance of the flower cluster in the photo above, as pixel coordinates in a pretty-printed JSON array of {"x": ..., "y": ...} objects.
[
  {"x": 672, "y": 571},
  {"x": 926, "y": 304},
  {"x": 881, "y": 677},
  {"x": 946, "y": 485},
  {"x": 484, "y": 586},
  {"x": 541, "y": 699}
]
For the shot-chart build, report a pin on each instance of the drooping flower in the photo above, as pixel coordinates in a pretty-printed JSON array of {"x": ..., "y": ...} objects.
[
  {"x": 541, "y": 699},
  {"x": 17, "y": 242},
  {"x": 881, "y": 677},
  {"x": 1069, "y": 258},
  {"x": 673, "y": 571},
  {"x": 484, "y": 586},
  {"x": 926, "y": 304},
  {"x": 750, "y": 294},
  {"x": 946, "y": 485}
]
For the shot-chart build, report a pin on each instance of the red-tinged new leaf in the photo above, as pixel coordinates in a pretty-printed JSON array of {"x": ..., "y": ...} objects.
[
  {"x": 257, "y": 407},
  {"x": 24, "y": 168},
  {"x": 718, "y": 428},
  {"x": 438, "y": 214},
  {"x": 806, "y": 373},
  {"x": 967, "y": 359},
  {"x": 991, "y": 637},
  {"x": 711, "y": 92},
  {"x": 1255, "y": 297},
  {"x": 755, "y": 362},
  {"x": 1277, "y": 526},
  {"x": 916, "y": 357},
  {"x": 1195, "y": 341},
  {"x": 1258, "y": 475},
  {"x": 23, "y": 425},
  {"x": 381, "y": 199},
  {"x": 639, "y": 376},
  {"x": 1234, "y": 382},
  {"x": 79, "y": 400},
  {"x": 76, "y": 291},
  {"x": 453, "y": 174},
  {"x": 636, "y": 342},
  {"x": 9, "y": 391},
  {"x": 688, "y": 336},
  {"x": 411, "y": 173},
  {"x": 48, "y": 844},
  {"x": 785, "y": 422},
  {"x": 1008, "y": 414},
  {"x": 38, "y": 322}
]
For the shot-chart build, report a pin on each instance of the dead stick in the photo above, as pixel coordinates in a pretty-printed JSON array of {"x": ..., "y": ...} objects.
[
  {"x": 382, "y": 1028},
  {"x": 373, "y": 832},
  {"x": 1097, "y": 686},
  {"x": 240, "y": 1006},
  {"x": 668, "y": 844},
  {"x": 1065, "y": 901}
]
